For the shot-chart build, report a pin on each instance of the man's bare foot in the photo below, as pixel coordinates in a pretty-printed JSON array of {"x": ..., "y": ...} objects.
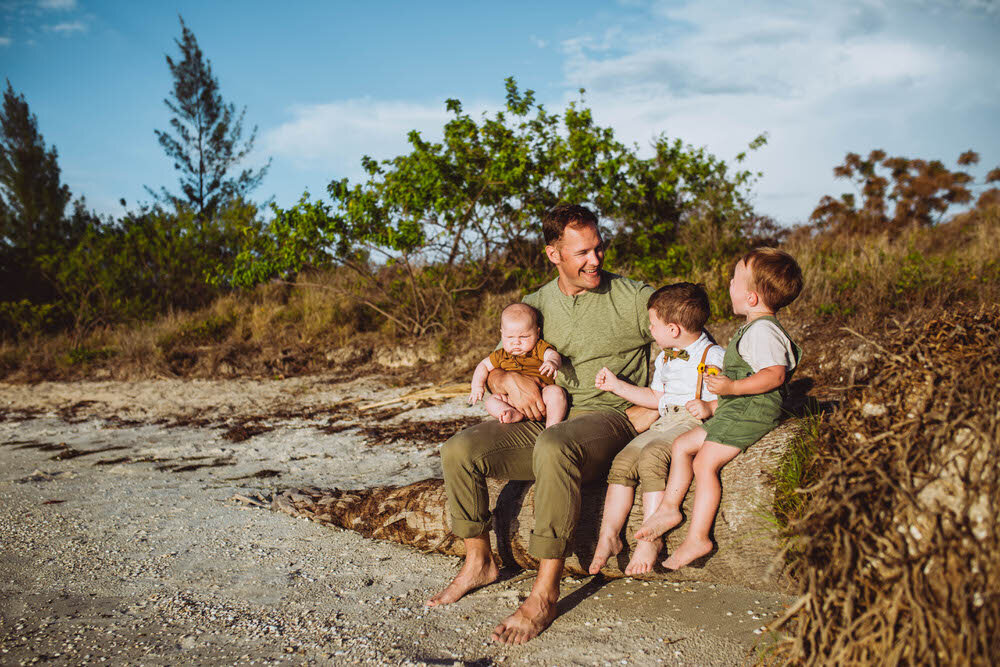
[
  {"x": 510, "y": 416},
  {"x": 689, "y": 550},
  {"x": 534, "y": 615},
  {"x": 473, "y": 575},
  {"x": 607, "y": 546},
  {"x": 645, "y": 555},
  {"x": 659, "y": 522}
]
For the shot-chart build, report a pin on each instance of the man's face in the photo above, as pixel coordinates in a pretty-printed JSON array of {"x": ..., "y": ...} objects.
[{"x": 578, "y": 257}]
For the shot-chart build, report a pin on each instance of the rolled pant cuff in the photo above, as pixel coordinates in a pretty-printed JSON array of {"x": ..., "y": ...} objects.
[
  {"x": 653, "y": 486},
  {"x": 547, "y": 547},
  {"x": 465, "y": 529}
]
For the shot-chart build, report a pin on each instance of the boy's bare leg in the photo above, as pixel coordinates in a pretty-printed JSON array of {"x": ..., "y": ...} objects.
[
  {"x": 538, "y": 610},
  {"x": 477, "y": 571},
  {"x": 502, "y": 410},
  {"x": 668, "y": 514},
  {"x": 617, "y": 505},
  {"x": 646, "y": 551},
  {"x": 707, "y": 494},
  {"x": 556, "y": 405}
]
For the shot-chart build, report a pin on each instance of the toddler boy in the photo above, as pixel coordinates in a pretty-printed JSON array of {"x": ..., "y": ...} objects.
[
  {"x": 758, "y": 364},
  {"x": 523, "y": 351},
  {"x": 677, "y": 316}
]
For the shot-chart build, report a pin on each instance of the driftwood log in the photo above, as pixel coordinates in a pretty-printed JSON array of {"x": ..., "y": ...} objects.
[{"x": 749, "y": 551}]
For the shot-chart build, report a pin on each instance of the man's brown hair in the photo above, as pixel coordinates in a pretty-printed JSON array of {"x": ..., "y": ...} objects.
[
  {"x": 685, "y": 304},
  {"x": 774, "y": 275},
  {"x": 557, "y": 219}
]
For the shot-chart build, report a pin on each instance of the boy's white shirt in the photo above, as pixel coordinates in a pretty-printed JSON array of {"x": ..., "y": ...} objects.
[
  {"x": 678, "y": 379},
  {"x": 765, "y": 345}
]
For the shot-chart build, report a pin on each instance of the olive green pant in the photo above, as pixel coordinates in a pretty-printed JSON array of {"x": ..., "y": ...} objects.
[
  {"x": 646, "y": 460},
  {"x": 559, "y": 459}
]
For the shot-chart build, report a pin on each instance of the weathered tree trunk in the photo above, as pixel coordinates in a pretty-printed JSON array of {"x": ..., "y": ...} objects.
[{"x": 749, "y": 551}]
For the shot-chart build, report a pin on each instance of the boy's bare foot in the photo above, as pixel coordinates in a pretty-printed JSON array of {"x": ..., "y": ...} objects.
[
  {"x": 645, "y": 555},
  {"x": 607, "y": 546},
  {"x": 689, "y": 550},
  {"x": 473, "y": 575},
  {"x": 659, "y": 522},
  {"x": 534, "y": 615},
  {"x": 510, "y": 416}
]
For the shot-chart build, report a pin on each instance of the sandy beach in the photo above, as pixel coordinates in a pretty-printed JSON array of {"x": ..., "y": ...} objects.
[{"x": 126, "y": 537}]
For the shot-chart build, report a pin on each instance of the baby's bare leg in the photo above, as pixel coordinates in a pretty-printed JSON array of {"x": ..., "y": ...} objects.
[
  {"x": 501, "y": 409},
  {"x": 554, "y": 398},
  {"x": 707, "y": 494},
  {"x": 668, "y": 514}
]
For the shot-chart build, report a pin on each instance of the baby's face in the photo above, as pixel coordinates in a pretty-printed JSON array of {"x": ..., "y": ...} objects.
[{"x": 518, "y": 336}]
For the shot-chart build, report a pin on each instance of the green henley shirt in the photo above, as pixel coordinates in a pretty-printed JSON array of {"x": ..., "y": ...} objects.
[{"x": 606, "y": 326}]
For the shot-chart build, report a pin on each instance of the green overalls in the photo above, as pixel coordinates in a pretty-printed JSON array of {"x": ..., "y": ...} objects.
[{"x": 740, "y": 421}]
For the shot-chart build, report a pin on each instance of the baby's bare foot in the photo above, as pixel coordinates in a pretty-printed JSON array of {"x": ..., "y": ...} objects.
[
  {"x": 534, "y": 615},
  {"x": 689, "y": 550},
  {"x": 659, "y": 522},
  {"x": 473, "y": 575},
  {"x": 644, "y": 557},
  {"x": 607, "y": 546},
  {"x": 510, "y": 416}
]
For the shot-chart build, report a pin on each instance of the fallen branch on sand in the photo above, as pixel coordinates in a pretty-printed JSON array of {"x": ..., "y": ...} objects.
[
  {"x": 749, "y": 548},
  {"x": 430, "y": 394}
]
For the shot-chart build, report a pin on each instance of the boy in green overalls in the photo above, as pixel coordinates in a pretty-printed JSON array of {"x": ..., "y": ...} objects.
[{"x": 758, "y": 364}]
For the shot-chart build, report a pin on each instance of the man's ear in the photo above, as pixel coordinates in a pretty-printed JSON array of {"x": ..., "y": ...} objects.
[{"x": 553, "y": 254}]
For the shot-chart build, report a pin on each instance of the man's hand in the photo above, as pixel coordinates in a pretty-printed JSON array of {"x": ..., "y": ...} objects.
[
  {"x": 522, "y": 393},
  {"x": 699, "y": 409},
  {"x": 607, "y": 381},
  {"x": 641, "y": 418}
]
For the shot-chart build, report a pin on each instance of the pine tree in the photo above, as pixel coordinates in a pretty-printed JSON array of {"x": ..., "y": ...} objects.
[
  {"x": 207, "y": 139},
  {"x": 32, "y": 197}
]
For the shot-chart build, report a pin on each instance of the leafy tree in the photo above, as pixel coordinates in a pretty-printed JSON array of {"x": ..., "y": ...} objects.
[
  {"x": 897, "y": 192},
  {"x": 433, "y": 226},
  {"x": 206, "y": 142}
]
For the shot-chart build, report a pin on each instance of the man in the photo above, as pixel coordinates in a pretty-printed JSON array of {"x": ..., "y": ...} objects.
[{"x": 595, "y": 319}]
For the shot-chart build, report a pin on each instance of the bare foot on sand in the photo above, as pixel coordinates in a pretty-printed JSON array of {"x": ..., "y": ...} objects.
[
  {"x": 607, "y": 546},
  {"x": 510, "y": 416},
  {"x": 645, "y": 555},
  {"x": 689, "y": 550},
  {"x": 659, "y": 522},
  {"x": 534, "y": 615},
  {"x": 473, "y": 575}
]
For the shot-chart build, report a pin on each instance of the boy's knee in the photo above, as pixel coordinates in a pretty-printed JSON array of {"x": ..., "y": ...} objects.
[
  {"x": 702, "y": 465},
  {"x": 653, "y": 463}
]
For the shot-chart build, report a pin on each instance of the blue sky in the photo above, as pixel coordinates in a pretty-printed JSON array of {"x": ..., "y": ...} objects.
[{"x": 327, "y": 82}]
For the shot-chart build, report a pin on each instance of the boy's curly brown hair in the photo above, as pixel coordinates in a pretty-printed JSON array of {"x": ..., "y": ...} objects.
[{"x": 775, "y": 276}]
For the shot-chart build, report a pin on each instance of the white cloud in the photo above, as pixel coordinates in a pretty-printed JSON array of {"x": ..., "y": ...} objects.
[
  {"x": 57, "y": 4},
  {"x": 332, "y": 137},
  {"x": 67, "y": 27},
  {"x": 821, "y": 78},
  {"x": 5, "y": 41}
]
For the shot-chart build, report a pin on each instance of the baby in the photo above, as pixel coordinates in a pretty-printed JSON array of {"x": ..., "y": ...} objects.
[
  {"x": 758, "y": 364},
  {"x": 523, "y": 351}
]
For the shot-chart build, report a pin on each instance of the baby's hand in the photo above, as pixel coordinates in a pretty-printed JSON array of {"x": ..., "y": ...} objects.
[
  {"x": 476, "y": 395},
  {"x": 699, "y": 409},
  {"x": 606, "y": 380},
  {"x": 549, "y": 369},
  {"x": 720, "y": 385}
]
